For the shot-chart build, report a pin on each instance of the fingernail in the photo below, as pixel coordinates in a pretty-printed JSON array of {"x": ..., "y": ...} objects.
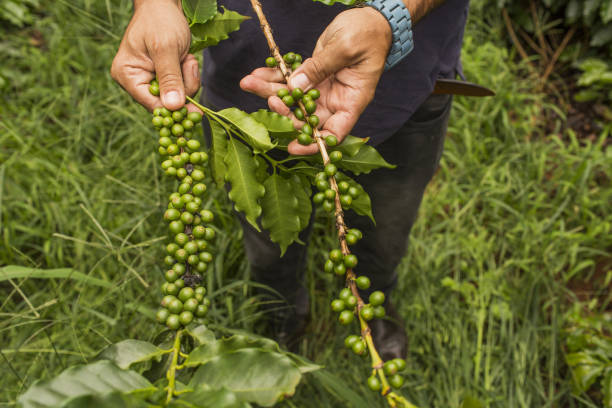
[
  {"x": 172, "y": 98},
  {"x": 300, "y": 81}
]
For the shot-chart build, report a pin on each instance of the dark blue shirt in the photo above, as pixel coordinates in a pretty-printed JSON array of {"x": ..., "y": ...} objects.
[{"x": 298, "y": 23}]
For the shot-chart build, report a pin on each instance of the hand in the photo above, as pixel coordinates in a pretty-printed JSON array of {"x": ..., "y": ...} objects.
[
  {"x": 157, "y": 42},
  {"x": 346, "y": 65}
]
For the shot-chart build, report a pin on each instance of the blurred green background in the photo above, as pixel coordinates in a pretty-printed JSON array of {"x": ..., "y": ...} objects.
[{"x": 506, "y": 283}]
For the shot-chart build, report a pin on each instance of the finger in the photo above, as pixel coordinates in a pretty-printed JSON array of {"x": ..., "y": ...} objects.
[
  {"x": 339, "y": 124},
  {"x": 316, "y": 69},
  {"x": 135, "y": 80},
  {"x": 192, "y": 108},
  {"x": 170, "y": 77},
  {"x": 276, "y": 104},
  {"x": 297, "y": 149},
  {"x": 259, "y": 86},
  {"x": 191, "y": 75},
  {"x": 269, "y": 74}
]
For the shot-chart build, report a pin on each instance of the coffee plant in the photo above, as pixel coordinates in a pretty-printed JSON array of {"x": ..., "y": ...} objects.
[{"x": 188, "y": 366}]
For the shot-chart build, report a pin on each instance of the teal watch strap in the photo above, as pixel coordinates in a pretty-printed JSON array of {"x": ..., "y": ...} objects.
[{"x": 399, "y": 19}]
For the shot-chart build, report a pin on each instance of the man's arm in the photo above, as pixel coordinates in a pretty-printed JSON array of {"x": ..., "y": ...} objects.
[{"x": 420, "y": 8}]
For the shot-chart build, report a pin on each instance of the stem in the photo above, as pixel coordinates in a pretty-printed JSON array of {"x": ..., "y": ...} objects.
[
  {"x": 171, "y": 374},
  {"x": 366, "y": 333}
]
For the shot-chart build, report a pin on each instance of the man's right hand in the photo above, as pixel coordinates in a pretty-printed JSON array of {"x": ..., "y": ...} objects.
[{"x": 156, "y": 42}]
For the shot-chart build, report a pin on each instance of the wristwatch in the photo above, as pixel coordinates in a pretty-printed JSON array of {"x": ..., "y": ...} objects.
[{"x": 398, "y": 17}]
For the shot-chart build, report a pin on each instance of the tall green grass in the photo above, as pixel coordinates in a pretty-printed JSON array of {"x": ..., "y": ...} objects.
[{"x": 512, "y": 215}]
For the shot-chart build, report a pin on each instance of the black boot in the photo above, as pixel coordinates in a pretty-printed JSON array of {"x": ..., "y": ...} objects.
[{"x": 389, "y": 334}]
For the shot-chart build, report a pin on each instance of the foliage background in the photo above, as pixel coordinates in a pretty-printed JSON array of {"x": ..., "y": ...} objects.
[{"x": 509, "y": 259}]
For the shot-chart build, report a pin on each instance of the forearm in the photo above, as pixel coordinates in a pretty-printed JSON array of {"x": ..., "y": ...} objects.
[{"x": 420, "y": 8}]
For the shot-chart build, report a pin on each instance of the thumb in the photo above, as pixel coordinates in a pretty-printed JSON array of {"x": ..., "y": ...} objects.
[
  {"x": 170, "y": 77},
  {"x": 315, "y": 70}
]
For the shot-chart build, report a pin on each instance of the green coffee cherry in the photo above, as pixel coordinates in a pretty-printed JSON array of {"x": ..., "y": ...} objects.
[
  {"x": 331, "y": 140},
  {"x": 379, "y": 312},
  {"x": 377, "y": 298},
  {"x": 299, "y": 113},
  {"x": 346, "y": 317},
  {"x": 329, "y": 266},
  {"x": 346, "y": 201},
  {"x": 271, "y": 62},
  {"x": 310, "y": 106},
  {"x": 289, "y": 57},
  {"x": 363, "y": 282},
  {"x": 359, "y": 348},
  {"x": 154, "y": 89},
  {"x": 396, "y": 381},
  {"x": 400, "y": 363},
  {"x": 304, "y": 139},
  {"x": 313, "y": 120},
  {"x": 351, "y": 239},
  {"x": 289, "y": 101},
  {"x": 318, "y": 198},
  {"x": 162, "y": 315},
  {"x": 195, "y": 117},
  {"x": 339, "y": 269},
  {"x": 173, "y": 322},
  {"x": 367, "y": 313},
  {"x": 335, "y": 156},
  {"x": 297, "y": 93},
  {"x": 350, "y": 261},
  {"x": 283, "y": 92},
  {"x": 337, "y": 305},
  {"x": 307, "y": 129},
  {"x": 185, "y": 318},
  {"x": 314, "y": 93},
  {"x": 295, "y": 65},
  {"x": 350, "y": 340},
  {"x": 374, "y": 383},
  {"x": 335, "y": 255}
]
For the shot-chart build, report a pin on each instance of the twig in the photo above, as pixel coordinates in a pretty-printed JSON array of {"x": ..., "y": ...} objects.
[
  {"x": 557, "y": 54},
  {"x": 377, "y": 363},
  {"x": 516, "y": 41}
]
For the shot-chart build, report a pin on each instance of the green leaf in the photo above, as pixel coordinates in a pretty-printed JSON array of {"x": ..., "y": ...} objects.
[
  {"x": 219, "y": 150},
  {"x": 585, "y": 370},
  {"x": 245, "y": 189},
  {"x": 302, "y": 190},
  {"x": 114, "y": 400},
  {"x": 264, "y": 377},
  {"x": 215, "y": 30},
  {"x": 339, "y": 388},
  {"x": 98, "y": 379},
  {"x": 277, "y": 125},
  {"x": 128, "y": 352},
  {"x": 199, "y": 11},
  {"x": 203, "y": 354},
  {"x": 201, "y": 334},
  {"x": 362, "y": 205},
  {"x": 351, "y": 145},
  {"x": 606, "y": 12},
  {"x": 364, "y": 161},
  {"x": 255, "y": 133},
  {"x": 602, "y": 36},
  {"x": 280, "y": 211},
  {"x": 15, "y": 272},
  {"x": 303, "y": 364},
  {"x": 211, "y": 398}
]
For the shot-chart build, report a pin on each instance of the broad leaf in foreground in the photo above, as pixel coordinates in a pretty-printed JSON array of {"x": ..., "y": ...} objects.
[
  {"x": 219, "y": 150},
  {"x": 245, "y": 189},
  {"x": 199, "y": 11},
  {"x": 115, "y": 400},
  {"x": 211, "y": 398},
  {"x": 255, "y": 133},
  {"x": 264, "y": 377},
  {"x": 364, "y": 161},
  {"x": 203, "y": 354},
  {"x": 128, "y": 352},
  {"x": 215, "y": 30},
  {"x": 98, "y": 379},
  {"x": 281, "y": 213},
  {"x": 277, "y": 125}
]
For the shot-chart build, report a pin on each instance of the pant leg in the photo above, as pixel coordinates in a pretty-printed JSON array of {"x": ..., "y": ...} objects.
[{"x": 396, "y": 194}]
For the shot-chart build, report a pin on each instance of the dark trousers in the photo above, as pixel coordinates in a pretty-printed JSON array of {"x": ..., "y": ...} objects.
[{"x": 396, "y": 195}]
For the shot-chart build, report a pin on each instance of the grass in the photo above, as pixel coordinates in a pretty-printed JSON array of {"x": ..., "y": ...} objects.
[{"x": 512, "y": 219}]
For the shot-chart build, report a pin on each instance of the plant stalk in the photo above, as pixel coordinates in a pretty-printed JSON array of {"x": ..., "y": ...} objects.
[
  {"x": 366, "y": 333},
  {"x": 171, "y": 373}
]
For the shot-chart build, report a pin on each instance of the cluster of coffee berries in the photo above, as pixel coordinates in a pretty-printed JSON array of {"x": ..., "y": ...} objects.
[
  {"x": 292, "y": 59},
  {"x": 188, "y": 254},
  {"x": 392, "y": 370},
  {"x": 338, "y": 263},
  {"x": 326, "y": 196}
]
